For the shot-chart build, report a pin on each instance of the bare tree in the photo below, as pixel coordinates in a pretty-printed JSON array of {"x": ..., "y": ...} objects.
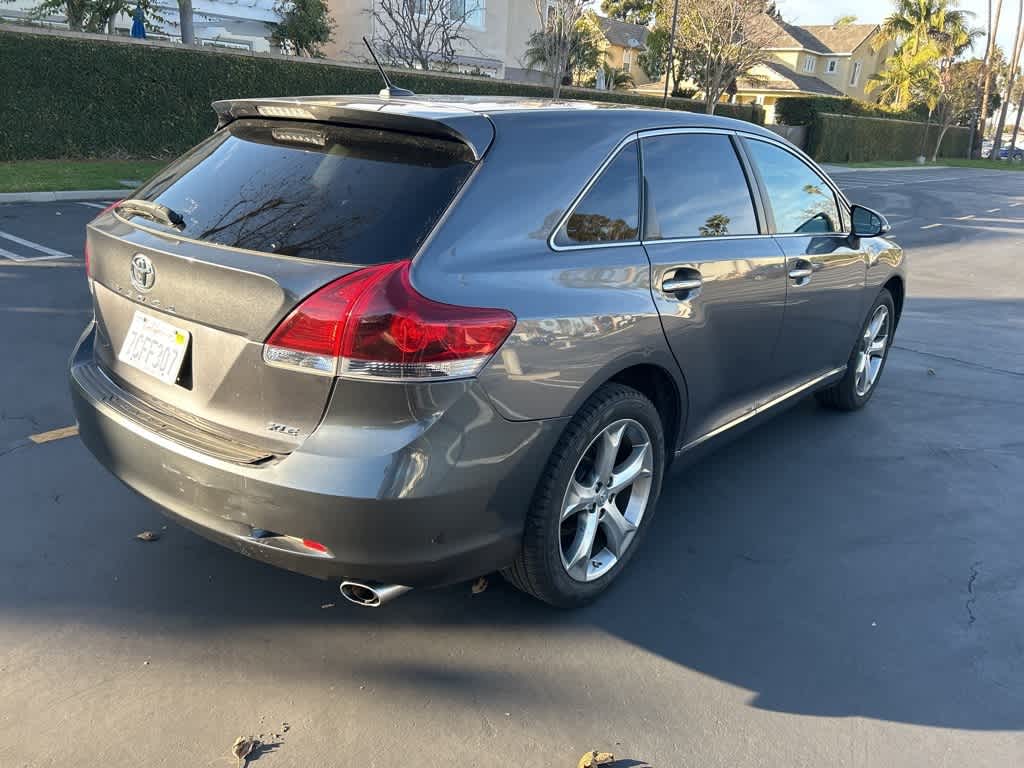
[
  {"x": 556, "y": 37},
  {"x": 957, "y": 93},
  {"x": 421, "y": 34},
  {"x": 997, "y": 138},
  {"x": 724, "y": 39}
]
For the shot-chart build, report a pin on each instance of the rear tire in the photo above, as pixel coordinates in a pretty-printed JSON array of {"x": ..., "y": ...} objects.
[
  {"x": 583, "y": 495},
  {"x": 867, "y": 360}
]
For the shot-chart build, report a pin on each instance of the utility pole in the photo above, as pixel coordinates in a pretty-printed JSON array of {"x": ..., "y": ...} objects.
[{"x": 671, "y": 52}]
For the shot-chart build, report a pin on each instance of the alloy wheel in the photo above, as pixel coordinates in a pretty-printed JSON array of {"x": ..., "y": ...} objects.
[
  {"x": 606, "y": 500},
  {"x": 873, "y": 346}
]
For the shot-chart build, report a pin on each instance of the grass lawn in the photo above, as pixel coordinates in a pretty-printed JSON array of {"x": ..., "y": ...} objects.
[
  {"x": 951, "y": 162},
  {"x": 57, "y": 175}
]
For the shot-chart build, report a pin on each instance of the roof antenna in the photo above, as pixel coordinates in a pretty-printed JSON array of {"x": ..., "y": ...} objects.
[{"x": 389, "y": 91}]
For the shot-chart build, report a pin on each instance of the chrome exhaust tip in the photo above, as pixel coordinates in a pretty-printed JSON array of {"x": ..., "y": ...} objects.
[{"x": 371, "y": 595}]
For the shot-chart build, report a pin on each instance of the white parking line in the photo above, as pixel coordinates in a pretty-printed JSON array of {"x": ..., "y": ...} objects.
[
  {"x": 992, "y": 210},
  {"x": 965, "y": 218},
  {"x": 1014, "y": 205},
  {"x": 94, "y": 205},
  {"x": 50, "y": 252},
  {"x": 931, "y": 226}
]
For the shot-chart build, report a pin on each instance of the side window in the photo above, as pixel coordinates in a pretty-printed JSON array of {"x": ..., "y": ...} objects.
[
  {"x": 694, "y": 186},
  {"x": 610, "y": 211},
  {"x": 801, "y": 200}
]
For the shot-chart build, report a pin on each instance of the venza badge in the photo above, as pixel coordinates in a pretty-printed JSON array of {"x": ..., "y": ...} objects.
[{"x": 143, "y": 273}]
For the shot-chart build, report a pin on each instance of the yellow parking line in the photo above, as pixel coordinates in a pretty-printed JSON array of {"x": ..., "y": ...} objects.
[{"x": 54, "y": 434}]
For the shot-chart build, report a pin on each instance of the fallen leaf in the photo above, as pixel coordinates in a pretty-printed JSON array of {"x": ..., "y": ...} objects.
[
  {"x": 479, "y": 585},
  {"x": 147, "y": 536},
  {"x": 591, "y": 759},
  {"x": 931, "y": 371},
  {"x": 242, "y": 748}
]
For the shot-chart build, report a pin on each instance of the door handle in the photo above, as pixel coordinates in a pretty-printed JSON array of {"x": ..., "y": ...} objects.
[
  {"x": 801, "y": 272},
  {"x": 678, "y": 285}
]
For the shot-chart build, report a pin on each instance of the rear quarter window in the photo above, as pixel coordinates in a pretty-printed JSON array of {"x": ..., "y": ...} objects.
[{"x": 313, "y": 191}]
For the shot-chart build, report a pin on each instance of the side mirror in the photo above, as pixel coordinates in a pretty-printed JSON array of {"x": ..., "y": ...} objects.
[{"x": 868, "y": 223}]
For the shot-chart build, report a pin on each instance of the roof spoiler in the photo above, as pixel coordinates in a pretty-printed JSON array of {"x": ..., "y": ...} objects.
[{"x": 418, "y": 117}]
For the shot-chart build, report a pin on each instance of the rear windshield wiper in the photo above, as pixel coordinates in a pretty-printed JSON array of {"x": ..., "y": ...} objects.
[{"x": 157, "y": 212}]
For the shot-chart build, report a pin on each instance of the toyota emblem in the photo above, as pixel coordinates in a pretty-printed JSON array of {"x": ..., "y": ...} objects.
[{"x": 143, "y": 274}]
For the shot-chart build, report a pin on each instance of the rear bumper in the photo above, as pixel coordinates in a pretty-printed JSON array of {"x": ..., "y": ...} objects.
[{"x": 412, "y": 484}]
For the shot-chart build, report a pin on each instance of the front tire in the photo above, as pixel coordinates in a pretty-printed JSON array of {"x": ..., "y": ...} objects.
[
  {"x": 594, "y": 500},
  {"x": 867, "y": 360}
]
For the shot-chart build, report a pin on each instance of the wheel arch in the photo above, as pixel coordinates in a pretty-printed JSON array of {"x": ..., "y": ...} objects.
[
  {"x": 897, "y": 289},
  {"x": 661, "y": 384}
]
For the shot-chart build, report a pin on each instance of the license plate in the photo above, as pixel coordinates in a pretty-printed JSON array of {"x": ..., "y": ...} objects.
[{"x": 154, "y": 347}]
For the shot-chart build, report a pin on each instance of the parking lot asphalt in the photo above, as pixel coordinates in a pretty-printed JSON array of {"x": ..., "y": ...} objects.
[{"x": 828, "y": 590}]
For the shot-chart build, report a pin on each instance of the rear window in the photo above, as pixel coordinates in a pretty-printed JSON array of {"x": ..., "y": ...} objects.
[{"x": 315, "y": 191}]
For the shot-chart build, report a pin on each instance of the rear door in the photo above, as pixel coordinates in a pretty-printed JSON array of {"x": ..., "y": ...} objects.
[
  {"x": 825, "y": 267},
  {"x": 252, "y": 221},
  {"x": 718, "y": 278}
]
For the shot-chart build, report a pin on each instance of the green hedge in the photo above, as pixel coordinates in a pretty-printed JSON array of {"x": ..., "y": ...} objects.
[
  {"x": 801, "y": 110},
  {"x": 849, "y": 139},
  {"x": 77, "y": 96}
]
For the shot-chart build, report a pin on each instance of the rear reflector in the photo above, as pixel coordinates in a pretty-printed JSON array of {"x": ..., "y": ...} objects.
[
  {"x": 372, "y": 324},
  {"x": 316, "y": 546}
]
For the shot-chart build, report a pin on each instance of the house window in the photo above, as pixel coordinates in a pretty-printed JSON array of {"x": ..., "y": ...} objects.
[
  {"x": 627, "y": 61},
  {"x": 830, "y": 68},
  {"x": 809, "y": 64},
  {"x": 855, "y": 75},
  {"x": 470, "y": 11}
]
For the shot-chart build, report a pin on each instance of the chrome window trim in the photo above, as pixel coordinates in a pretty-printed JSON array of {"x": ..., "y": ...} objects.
[
  {"x": 738, "y": 132},
  {"x": 583, "y": 193},
  {"x": 700, "y": 239}
]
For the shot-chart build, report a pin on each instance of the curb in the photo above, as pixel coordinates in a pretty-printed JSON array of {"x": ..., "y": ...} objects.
[{"x": 53, "y": 197}]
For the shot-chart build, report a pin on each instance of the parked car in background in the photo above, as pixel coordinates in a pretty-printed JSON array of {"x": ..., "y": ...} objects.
[
  {"x": 403, "y": 342},
  {"x": 1004, "y": 151}
]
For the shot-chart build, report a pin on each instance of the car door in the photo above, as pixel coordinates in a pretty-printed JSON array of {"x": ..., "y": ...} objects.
[
  {"x": 718, "y": 278},
  {"x": 825, "y": 267}
]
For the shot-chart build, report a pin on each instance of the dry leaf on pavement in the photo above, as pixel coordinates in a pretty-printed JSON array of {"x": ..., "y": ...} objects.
[
  {"x": 147, "y": 536},
  {"x": 242, "y": 748},
  {"x": 479, "y": 585},
  {"x": 595, "y": 758}
]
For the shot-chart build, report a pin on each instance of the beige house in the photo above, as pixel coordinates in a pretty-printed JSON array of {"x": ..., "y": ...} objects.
[
  {"x": 625, "y": 44},
  {"x": 823, "y": 60},
  {"x": 496, "y": 32}
]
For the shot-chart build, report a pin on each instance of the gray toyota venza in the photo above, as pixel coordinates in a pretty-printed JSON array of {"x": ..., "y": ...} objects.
[{"x": 402, "y": 342}]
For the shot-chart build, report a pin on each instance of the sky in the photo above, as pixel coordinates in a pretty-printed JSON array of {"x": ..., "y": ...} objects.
[{"x": 871, "y": 11}]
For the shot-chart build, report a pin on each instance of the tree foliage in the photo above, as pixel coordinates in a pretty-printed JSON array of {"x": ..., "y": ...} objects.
[
  {"x": 96, "y": 15},
  {"x": 930, "y": 34},
  {"x": 305, "y": 27},
  {"x": 632, "y": 11}
]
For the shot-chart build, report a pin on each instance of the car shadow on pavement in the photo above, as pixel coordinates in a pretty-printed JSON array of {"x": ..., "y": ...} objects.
[{"x": 832, "y": 565}]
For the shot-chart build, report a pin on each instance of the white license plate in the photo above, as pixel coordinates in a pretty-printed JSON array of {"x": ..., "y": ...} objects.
[{"x": 154, "y": 347}]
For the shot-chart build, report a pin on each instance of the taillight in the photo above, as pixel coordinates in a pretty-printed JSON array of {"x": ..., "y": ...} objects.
[{"x": 372, "y": 324}]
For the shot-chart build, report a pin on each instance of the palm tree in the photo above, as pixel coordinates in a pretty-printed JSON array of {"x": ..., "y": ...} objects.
[
  {"x": 924, "y": 29},
  {"x": 907, "y": 77}
]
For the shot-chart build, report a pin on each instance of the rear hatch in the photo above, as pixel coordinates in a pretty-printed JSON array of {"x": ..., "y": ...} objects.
[{"x": 193, "y": 274}]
